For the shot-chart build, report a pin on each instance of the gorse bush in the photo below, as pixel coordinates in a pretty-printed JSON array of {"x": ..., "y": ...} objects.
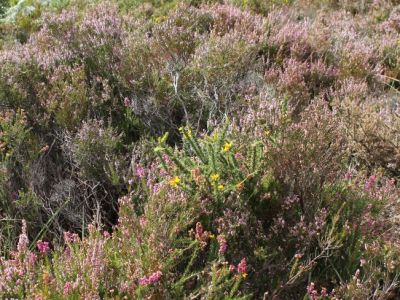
[
  {"x": 199, "y": 150},
  {"x": 212, "y": 221}
]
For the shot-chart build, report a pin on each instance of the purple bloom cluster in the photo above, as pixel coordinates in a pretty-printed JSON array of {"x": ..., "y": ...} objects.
[{"x": 151, "y": 279}]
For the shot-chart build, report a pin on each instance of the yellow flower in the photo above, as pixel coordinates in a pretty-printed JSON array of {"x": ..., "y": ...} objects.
[
  {"x": 214, "y": 177},
  {"x": 189, "y": 133},
  {"x": 221, "y": 187},
  {"x": 211, "y": 236},
  {"x": 244, "y": 275},
  {"x": 227, "y": 147},
  {"x": 175, "y": 181}
]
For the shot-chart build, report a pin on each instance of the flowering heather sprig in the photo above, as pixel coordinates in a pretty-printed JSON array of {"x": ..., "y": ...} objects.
[
  {"x": 312, "y": 292},
  {"x": 68, "y": 287},
  {"x": 139, "y": 172},
  {"x": 23, "y": 240},
  {"x": 370, "y": 183},
  {"x": 199, "y": 230},
  {"x": 242, "y": 267},
  {"x": 42, "y": 246},
  {"x": 222, "y": 244},
  {"x": 70, "y": 237},
  {"x": 127, "y": 102},
  {"x": 152, "y": 279}
]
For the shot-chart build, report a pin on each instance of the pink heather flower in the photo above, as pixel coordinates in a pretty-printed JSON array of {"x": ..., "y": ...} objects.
[
  {"x": 155, "y": 277},
  {"x": 140, "y": 171},
  {"x": 242, "y": 266},
  {"x": 312, "y": 292},
  {"x": 127, "y": 102},
  {"x": 232, "y": 268},
  {"x": 67, "y": 288},
  {"x": 370, "y": 183},
  {"x": 31, "y": 258},
  {"x": 23, "y": 239},
  {"x": 167, "y": 159},
  {"x": 238, "y": 156},
  {"x": 43, "y": 247},
  {"x": 298, "y": 255},
  {"x": 199, "y": 229},
  {"x": 349, "y": 175},
  {"x": 142, "y": 220},
  {"x": 143, "y": 281},
  {"x": 152, "y": 279},
  {"x": 222, "y": 244},
  {"x": 70, "y": 237}
]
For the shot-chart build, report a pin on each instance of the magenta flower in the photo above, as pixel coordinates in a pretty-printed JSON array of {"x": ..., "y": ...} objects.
[
  {"x": 67, "y": 288},
  {"x": 222, "y": 244},
  {"x": 349, "y": 175},
  {"x": 371, "y": 182},
  {"x": 312, "y": 292},
  {"x": 43, "y": 247},
  {"x": 242, "y": 266},
  {"x": 70, "y": 237},
  {"x": 140, "y": 171},
  {"x": 152, "y": 279}
]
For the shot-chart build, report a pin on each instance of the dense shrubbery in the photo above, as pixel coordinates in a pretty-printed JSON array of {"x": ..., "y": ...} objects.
[{"x": 200, "y": 150}]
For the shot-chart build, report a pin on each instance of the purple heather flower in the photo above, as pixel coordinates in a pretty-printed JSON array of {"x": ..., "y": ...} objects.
[
  {"x": 23, "y": 239},
  {"x": 67, "y": 288},
  {"x": 222, "y": 244},
  {"x": 242, "y": 266},
  {"x": 152, "y": 279},
  {"x": 43, "y": 247},
  {"x": 371, "y": 182},
  {"x": 140, "y": 171}
]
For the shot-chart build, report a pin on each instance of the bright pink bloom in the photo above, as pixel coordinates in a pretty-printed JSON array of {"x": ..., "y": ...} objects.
[
  {"x": 312, "y": 292},
  {"x": 242, "y": 266},
  {"x": 67, "y": 288},
  {"x": 140, "y": 171},
  {"x": 152, "y": 279},
  {"x": 43, "y": 247}
]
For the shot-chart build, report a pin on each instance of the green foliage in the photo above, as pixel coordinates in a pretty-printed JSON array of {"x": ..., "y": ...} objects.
[{"x": 278, "y": 187}]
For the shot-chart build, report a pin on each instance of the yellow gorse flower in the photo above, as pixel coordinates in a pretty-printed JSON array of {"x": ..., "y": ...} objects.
[
  {"x": 227, "y": 147},
  {"x": 221, "y": 187},
  {"x": 214, "y": 177},
  {"x": 175, "y": 181}
]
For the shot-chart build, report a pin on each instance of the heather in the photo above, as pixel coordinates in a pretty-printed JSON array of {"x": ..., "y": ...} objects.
[{"x": 199, "y": 149}]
